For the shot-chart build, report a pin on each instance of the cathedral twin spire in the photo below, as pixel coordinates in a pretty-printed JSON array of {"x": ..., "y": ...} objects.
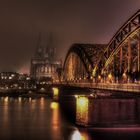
[{"x": 45, "y": 51}]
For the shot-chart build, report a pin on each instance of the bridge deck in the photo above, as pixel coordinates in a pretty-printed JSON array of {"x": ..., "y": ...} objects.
[{"x": 129, "y": 87}]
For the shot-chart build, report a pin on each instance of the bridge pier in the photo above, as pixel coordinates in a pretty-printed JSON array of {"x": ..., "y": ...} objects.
[
  {"x": 98, "y": 108},
  {"x": 107, "y": 111}
]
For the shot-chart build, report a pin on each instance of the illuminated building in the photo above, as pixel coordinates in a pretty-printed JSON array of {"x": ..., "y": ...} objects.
[
  {"x": 13, "y": 80},
  {"x": 82, "y": 103},
  {"x": 55, "y": 93},
  {"x": 43, "y": 64},
  {"x": 9, "y": 79}
]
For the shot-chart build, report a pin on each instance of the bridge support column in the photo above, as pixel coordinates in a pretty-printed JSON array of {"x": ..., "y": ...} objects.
[
  {"x": 55, "y": 93},
  {"x": 129, "y": 55},
  {"x": 105, "y": 111},
  {"x": 82, "y": 110},
  {"x": 139, "y": 52},
  {"x": 121, "y": 57}
]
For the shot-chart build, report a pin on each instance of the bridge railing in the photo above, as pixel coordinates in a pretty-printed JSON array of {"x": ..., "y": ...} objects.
[{"x": 129, "y": 87}]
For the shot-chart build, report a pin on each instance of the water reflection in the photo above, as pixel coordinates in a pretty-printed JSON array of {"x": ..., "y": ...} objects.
[
  {"x": 6, "y": 99},
  {"x": 26, "y": 118},
  {"x": 5, "y": 111},
  {"x": 30, "y": 99},
  {"x": 54, "y": 105},
  {"x": 76, "y": 135},
  {"x": 55, "y": 115},
  {"x": 73, "y": 133},
  {"x": 19, "y": 99},
  {"x": 42, "y": 103},
  {"x": 85, "y": 136}
]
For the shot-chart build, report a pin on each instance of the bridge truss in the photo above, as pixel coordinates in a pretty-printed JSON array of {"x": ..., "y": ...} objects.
[
  {"x": 118, "y": 61},
  {"x": 81, "y": 60}
]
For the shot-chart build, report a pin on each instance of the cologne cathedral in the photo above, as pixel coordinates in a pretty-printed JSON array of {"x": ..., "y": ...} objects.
[{"x": 43, "y": 64}]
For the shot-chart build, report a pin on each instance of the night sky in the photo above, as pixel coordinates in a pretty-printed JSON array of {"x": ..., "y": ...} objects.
[{"x": 69, "y": 21}]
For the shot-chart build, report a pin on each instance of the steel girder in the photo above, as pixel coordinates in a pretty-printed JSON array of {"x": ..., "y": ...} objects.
[
  {"x": 120, "y": 46},
  {"x": 122, "y": 54},
  {"x": 88, "y": 55}
]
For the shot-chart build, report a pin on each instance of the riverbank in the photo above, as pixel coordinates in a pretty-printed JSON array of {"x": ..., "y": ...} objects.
[
  {"x": 34, "y": 95},
  {"x": 24, "y": 94}
]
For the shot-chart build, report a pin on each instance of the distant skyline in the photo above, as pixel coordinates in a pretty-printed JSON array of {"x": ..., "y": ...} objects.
[{"x": 74, "y": 21}]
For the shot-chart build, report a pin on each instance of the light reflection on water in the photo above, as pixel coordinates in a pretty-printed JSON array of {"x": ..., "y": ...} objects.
[
  {"x": 85, "y": 136},
  {"x": 76, "y": 135},
  {"x": 55, "y": 116},
  {"x": 29, "y": 118}
]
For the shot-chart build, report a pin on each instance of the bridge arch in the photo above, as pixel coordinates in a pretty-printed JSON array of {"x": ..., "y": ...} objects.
[
  {"x": 121, "y": 59},
  {"x": 81, "y": 60},
  {"x": 118, "y": 61}
]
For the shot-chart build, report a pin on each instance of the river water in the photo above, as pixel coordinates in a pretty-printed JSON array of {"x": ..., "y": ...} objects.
[{"x": 41, "y": 119}]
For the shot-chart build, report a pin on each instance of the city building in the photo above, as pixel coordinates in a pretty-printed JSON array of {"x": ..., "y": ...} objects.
[
  {"x": 14, "y": 80},
  {"x": 9, "y": 80},
  {"x": 44, "y": 65}
]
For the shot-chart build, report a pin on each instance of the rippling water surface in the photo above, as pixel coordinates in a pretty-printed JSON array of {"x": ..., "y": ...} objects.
[{"x": 27, "y": 118}]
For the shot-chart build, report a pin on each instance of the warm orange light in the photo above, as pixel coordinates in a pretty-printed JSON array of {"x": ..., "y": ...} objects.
[
  {"x": 6, "y": 99},
  {"x": 82, "y": 110},
  {"x": 42, "y": 100},
  {"x": 99, "y": 77},
  {"x": 82, "y": 101},
  {"x": 54, "y": 105},
  {"x": 19, "y": 99},
  {"x": 76, "y": 96},
  {"x": 84, "y": 136},
  {"x": 110, "y": 76},
  {"x": 55, "y": 116},
  {"x": 55, "y": 92},
  {"x": 124, "y": 75},
  {"x": 42, "y": 103},
  {"x": 94, "y": 71}
]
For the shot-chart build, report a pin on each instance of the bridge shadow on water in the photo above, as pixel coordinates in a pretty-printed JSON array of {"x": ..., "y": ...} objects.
[
  {"x": 122, "y": 131},
  {"x": 101, "y": 133},
  {"x": 42, "y": 119},
  {"x": 113, "y": 134}
]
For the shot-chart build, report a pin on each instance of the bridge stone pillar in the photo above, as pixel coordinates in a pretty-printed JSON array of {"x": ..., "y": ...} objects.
[
  {"x": 55, "y": 93},
  {"x": 129, "y": 55},
  {"x": 105, "y": 111},
  {"x": 82, "y": 110},
  {"x": 139, "y": 52},
  {"x": 121, "y": 58}
]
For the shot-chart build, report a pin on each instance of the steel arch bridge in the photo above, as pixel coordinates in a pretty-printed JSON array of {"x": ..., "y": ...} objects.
[
  {"x": 118, "y": 61},
  {"x": 81, "y": 60}
]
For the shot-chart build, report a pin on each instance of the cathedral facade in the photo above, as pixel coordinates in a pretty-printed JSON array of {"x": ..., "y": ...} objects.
[{"x": 43, "y": 64}]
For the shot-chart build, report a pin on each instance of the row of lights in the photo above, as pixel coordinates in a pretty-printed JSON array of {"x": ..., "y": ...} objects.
[
  {"x": 110, "y": 77},
  {"x": 90, "y": 95}
]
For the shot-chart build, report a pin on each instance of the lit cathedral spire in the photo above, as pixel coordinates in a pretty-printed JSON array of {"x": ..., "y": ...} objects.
[
  {"x": 44, "y": 65},
  {"x": 39, "y": 49},
  {"x": 49, "y": 50},
  {"x": 45, "y": 51}
]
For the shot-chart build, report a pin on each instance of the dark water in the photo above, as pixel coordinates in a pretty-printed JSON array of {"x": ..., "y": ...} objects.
[{"x": 41, "y": 119}]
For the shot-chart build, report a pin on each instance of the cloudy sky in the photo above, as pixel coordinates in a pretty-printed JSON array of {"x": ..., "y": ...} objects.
[{"x": 69, "y": 21}]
